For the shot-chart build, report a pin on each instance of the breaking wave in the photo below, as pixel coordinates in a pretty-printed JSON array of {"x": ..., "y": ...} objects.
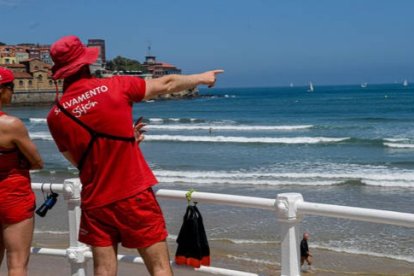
[
  {"x": 235, "y": 139},
  {"x": 229, "y": 127},
  {"x": 357, "y": 251},
  {"x": 372, "y": 176}
]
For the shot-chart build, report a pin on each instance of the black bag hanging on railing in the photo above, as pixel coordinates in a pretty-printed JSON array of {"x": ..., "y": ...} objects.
[{"x": 192, "y": 249}]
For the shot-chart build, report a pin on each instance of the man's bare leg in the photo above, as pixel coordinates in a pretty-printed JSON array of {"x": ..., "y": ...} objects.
[
  {"x": 309, "y": 260},
  {"x": 157, "y": 259},
  {"x": 105, "y": 262},
  {"x": 17, "y": 239}
]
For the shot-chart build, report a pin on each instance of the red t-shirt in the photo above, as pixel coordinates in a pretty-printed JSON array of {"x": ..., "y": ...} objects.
[{"x": 113, "y": 169}]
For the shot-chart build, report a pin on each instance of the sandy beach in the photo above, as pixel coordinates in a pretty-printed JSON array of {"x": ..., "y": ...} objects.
[
  {"x": 334, "y": 263},
  {"x": 249, "y": 257},
  {"x": 325, "y": 263},
  {"x": 50, "y": 265}
]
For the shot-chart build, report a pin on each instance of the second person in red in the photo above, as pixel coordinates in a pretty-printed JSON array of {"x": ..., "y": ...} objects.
[
  {"x": 92, "y": 127},
  {"x": 18, "y": 155}
]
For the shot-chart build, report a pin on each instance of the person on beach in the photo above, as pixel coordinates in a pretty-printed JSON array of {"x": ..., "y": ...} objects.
[
  {"x": 18, "y": 155},
  {"x": 305, "y": 254},
  {"x": 92, "y": 127}
]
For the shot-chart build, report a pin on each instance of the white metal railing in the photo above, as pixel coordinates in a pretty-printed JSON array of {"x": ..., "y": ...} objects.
[
  {"x": 78, "y": 253},
  {"x": 362, "y": 214},
  {"x": 289, "y": 208}
]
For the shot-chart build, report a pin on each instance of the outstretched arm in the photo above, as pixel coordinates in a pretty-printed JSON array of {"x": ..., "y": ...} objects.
[{"x": 175, "y": 83}]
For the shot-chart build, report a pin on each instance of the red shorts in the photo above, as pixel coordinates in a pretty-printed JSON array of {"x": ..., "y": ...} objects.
[
  {"x": 136, "y": 222},
  {"x": 17, "y": 209}
]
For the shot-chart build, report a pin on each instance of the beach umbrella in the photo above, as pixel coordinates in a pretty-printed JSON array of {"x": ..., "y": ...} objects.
[{"x": 192, "y": 249}]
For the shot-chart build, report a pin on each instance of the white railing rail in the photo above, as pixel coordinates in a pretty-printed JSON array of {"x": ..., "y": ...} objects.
[
  {"x": 232, "y": 200},
  {"x": 354, "y": 213},
  {"x": 289, "y": 207}
]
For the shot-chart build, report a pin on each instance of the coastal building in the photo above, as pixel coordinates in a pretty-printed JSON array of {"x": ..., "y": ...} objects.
[
  {"x": 7, "y": 55},
  {"x": 45, "y": 55},
  {"x": 31, "y": 64},
  {"x": 99, "y": 65},
  {"x": 21, "y": 56},
  {"x": 7, "y": 59},
  {"x": 33, "y": 82},
  {"x": 11, "y": 54},
  {"x": 100, "y": 44},
  {"x": 34, "y": 52},
  {"x": 158, "y": 69}
]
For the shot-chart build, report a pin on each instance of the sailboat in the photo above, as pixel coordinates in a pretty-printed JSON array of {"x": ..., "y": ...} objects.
[
  {"x": 405, "y": 83},
  {"x": 364, "y": 85},
  {"x": 310, "y": 87}
]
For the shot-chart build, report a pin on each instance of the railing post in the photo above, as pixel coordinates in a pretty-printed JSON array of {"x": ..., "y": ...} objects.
[
  {"x": 287, "y": 216},
  {"x": 76, "y": 251}
]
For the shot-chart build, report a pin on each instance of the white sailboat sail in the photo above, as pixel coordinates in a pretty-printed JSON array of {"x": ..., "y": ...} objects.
[
  {"x": 405, "y": 83},
  {"x": 310, "y": 87}
]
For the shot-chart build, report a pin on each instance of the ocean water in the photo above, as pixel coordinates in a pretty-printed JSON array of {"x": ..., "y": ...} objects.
[{"x": 342, "y": 145}]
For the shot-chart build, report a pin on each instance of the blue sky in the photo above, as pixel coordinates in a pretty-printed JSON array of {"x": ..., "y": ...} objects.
[{"x": 257, "y": 42}]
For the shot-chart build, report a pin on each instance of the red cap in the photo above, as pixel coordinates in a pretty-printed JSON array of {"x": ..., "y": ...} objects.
[
  {"x": 6, "y": 75},
  {"x": 69, "y": 55}
]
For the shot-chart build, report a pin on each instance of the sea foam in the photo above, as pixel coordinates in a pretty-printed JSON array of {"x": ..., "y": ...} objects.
[
  {"x": 238, "y": 139},
  {"x": 41, "y": 135},
  {"x": 399, "y": 145},
  {"x": 357, "y": 251},
  {"x": 37, "y": 120},
  {"x": 365, "y": 175},
  {"x": 229, "y": 127}
]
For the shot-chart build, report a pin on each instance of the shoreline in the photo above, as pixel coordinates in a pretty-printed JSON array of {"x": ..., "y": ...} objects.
[
  {"x": 250, "y": 259},
  {"x": 325, "y": 264}
]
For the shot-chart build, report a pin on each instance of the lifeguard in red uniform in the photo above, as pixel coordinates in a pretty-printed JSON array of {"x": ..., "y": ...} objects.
[{"x": 92, "y": 127}]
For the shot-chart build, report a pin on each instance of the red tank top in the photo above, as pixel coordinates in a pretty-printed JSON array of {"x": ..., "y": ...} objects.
[
  {"x": 14, "y": 173},
  {"x": 12, "y": 160}
]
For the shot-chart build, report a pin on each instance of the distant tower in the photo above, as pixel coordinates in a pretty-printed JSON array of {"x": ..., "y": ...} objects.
[
  {"x": 149, "y": 59},
  {"x": 99, "y": 43}
]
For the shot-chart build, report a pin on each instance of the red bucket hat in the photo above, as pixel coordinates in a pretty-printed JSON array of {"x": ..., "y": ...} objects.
[
  {"x": 6, "y": 75},
  {"x": 69, "y": 55}
]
